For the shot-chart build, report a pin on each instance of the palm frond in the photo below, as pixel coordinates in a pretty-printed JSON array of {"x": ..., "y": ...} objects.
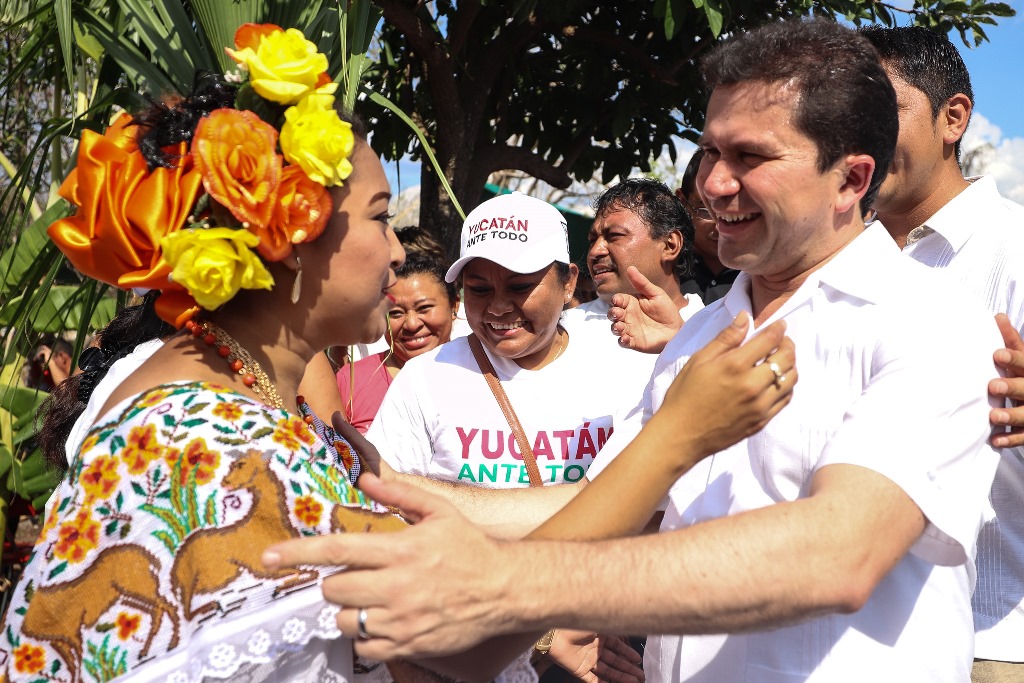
[
  {"x": 357, "y": 27},
  {"x": 62, "y": 14},
  {"x": 219, "y": 20},
  {"x": 136, "y": 65},
  {"x": 166, "y": 33},
  {"x": 388, "y": 104}
]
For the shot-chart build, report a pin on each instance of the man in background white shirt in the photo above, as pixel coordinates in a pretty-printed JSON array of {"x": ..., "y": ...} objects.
[
  {"x": 639, "y": 223},
  {"x": 968, "y": 231}
]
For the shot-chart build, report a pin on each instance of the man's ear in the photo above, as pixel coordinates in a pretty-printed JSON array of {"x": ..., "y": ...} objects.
[
  {"x": 953, "y": 118},
  {"x": 856, "y": 170},
  {"x": 673, "y": 245}
]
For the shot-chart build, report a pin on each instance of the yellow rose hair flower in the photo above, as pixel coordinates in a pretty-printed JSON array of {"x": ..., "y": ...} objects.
[
  {"x": 316, "y": 139},
  {"x": 283, "y": 66},
  {"x": 214, "y": 263}
]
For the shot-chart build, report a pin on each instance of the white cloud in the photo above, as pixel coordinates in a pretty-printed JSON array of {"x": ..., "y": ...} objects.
[{"x": 999, "y": 156}]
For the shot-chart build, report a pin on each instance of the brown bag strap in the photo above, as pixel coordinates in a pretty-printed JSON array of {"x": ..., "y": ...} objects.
[{"x": 506, "y": 408}]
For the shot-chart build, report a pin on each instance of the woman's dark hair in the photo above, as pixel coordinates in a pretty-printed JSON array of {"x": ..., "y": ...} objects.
[
  {"x": 167, "y": 124},
  {"x": 170, "y": 124},
  {"x": 426, "y": 263},
  {"x": 132, "y": 326},
  {"x": 564, "y": 273},
  {"x": 418, "y": 238},
  {"x": 689, "y": 182}
]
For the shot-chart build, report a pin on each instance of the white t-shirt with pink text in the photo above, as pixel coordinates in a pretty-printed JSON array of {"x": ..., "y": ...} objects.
[{"x": 439, "y": 418}]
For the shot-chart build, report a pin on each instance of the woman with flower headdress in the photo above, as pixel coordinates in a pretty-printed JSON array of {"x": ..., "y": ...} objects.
[
  {"x": 261, "y": 217},
  {"x": 237, "y": 204}
]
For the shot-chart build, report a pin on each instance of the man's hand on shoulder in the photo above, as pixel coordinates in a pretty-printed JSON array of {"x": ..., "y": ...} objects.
[
  {"x": 645, "y": 322},
  {"x": 1008, "y": 421}
]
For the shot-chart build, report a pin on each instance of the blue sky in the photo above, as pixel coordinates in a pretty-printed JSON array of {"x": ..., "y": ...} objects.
[
  {"x": 998, "y": 79},
  {"x": 997, "y": 73}
]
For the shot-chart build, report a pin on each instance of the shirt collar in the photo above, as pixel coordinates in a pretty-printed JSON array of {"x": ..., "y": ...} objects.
[
  {"x": 955, "y": 221},
  {"x": 858, "y": 270},
  {"x": 595, "y": 308}
]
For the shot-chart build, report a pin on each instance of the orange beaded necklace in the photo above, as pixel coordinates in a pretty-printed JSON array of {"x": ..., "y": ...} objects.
[{"x": 238, "y": 359}]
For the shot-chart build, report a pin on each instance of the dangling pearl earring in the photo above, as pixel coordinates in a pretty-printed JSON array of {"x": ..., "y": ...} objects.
[{"x": 297, "y": 285}]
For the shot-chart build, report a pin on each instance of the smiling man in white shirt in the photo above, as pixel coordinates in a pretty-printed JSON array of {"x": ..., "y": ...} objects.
[{"x": 834, "y": 544}]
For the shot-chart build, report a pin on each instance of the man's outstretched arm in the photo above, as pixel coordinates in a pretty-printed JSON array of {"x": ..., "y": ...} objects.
[
  {"x": 764, "y": 568},
  {"x": 504, "y": 513}
]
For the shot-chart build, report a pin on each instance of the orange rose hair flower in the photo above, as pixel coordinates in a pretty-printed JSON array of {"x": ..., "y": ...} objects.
[
  {"x": 300, "y": 214},
  {"x": 236, "y": 153}
]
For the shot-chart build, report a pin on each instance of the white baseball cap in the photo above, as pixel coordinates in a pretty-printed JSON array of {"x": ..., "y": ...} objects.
[{"x": 521, "y": 233}]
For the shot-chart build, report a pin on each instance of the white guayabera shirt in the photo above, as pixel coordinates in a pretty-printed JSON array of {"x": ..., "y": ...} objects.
[
  {"x": 886, "y": 383},
  {"x": 977, "y": 241}
]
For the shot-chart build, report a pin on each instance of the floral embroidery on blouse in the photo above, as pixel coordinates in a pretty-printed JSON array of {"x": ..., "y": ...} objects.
[{"x": 157, "y": 529}]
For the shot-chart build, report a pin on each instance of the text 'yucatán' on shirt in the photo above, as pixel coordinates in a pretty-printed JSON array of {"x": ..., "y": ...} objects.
[{"x": 440, "y": 419}]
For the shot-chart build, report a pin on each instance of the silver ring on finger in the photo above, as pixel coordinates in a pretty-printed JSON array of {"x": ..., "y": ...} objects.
[
  {"x": 361, "y": 625},
  {"x": 779, "y": 377}
]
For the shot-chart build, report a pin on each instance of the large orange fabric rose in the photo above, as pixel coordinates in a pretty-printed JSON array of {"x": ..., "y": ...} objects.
[
  {"x": 124, "y": 209},
  {"x": 236, "y": 153},
  {"x": 301, "y": 211}
]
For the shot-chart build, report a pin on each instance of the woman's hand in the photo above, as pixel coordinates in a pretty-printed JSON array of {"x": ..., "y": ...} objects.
[
  {"x": 725, "y": 392},
  {"x": 595, "y": 658},
  {"x": 729, "y": 390}
]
